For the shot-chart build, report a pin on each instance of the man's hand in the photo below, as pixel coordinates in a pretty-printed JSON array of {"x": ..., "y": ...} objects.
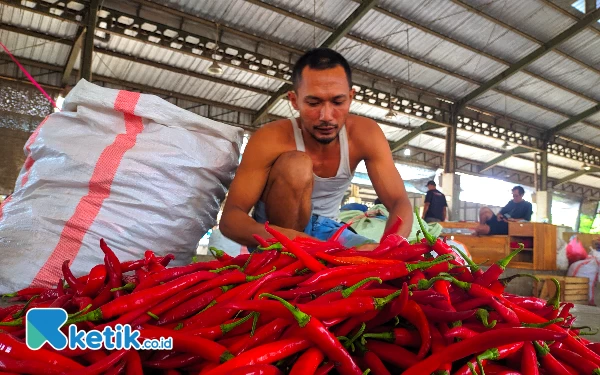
[
  {"x": 367, "y": 247},
  {"x": 500, "y": 217}
]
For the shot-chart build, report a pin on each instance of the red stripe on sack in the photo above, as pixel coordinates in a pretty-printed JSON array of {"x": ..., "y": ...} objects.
[
  {"x": 2, "y": 205},
  {"x": 100, "y": 184},
  {"x": 29, "y": 161}
]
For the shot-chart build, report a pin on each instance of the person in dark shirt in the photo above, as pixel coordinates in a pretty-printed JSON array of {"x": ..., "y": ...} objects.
[
  {"x": 436, "y": 207},
  {"x": 517, "y": 209}
]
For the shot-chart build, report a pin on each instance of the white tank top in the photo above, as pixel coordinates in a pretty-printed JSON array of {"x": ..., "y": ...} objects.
[{"x": 328, "y": 193}]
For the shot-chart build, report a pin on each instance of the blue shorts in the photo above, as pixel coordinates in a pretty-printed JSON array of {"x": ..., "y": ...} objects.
[{"x": 319, "y": 227}]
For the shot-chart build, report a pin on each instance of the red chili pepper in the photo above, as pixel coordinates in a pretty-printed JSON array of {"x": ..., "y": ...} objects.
[
  {"x": 325, "y": 368},
  {"x": 178, "y": 361},
  {"x": 416, "y": 316},
  {"x": 308, "y": 362},
  {"x": 529, "y": 364},
  {"x": 493, "y": 354},
  {"x": 259, "y": 260},
  {"x": 393, "y": 354},
  {"x": 182, "y": 342},
  {"x": 373, "y": 362},
  {"x": 213, "y": 333},
  {"x": 322, "y": 338},
  {"x": 494, "y": 369},
  {"x": 74, "y": 284},
  {"x": 144, "y": 298},
  {"x": 18, "y": 351},
  {"x": 481, "y": 342},
  {"x": 279, "y": 284},
  {"x": 134, "y": 364},
  {"x": 438, "y": 246},
  {"x": 263, "y": 369},
  {"x": 391, "y": 229},
  {"x": 336, "y": 236},
  {"x": 310, "y": 262},
  {"x": 187, "y": 308},
  {"x": 25, "y": 293},
  {"x": 95, "y": 281},
  {"x": 392, "y": 309},
  {"x": 29, "y": 366},
  {"x": 220, "y": 255},
  {"x": 269, "y": 331},
  {"x": 529, "y": 303},
  {"x": 102, "y": 365},
  {"x": 264, "y": 354},
  {"x": 398, "y": 336},
  {"x": 506, "y": 313},
  {"x": 437, "y": 315},
  {"x": 113, "y": 267},
  {"x": 495, "y": 270},
  {"x": 261, "y": 241},
  {"x": 549, "y": 363},
  {"x": 438, "y": 344},
  {"x": 173, "y": 273},
  {"x": 336, "y": 273},
  {"x": 581, "y": 364},
  {"x": 357, "y": 260}
]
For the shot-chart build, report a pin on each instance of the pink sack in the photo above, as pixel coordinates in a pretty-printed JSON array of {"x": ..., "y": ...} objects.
[{"x": 575, "y": 250}]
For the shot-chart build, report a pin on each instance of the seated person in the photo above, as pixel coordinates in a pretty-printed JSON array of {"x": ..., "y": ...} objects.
[
  {"x": 516, "y": 210},
  {"x": 294, "y": 172}
]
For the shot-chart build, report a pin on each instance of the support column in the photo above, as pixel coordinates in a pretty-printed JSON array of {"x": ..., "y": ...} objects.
[
  {"x": 451, "y": 181},
  {"x": 88, "y": 45},
  {"x": 451, "y": 189},
  {"x": 543, "y": 197}
]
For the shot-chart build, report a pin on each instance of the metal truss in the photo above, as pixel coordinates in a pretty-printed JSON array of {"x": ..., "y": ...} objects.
[{"x": 426, "y": 107}]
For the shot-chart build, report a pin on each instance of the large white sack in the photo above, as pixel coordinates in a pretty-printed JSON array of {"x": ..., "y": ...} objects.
[
  {"x": 133, "y": 169},
  {"x": 589, "y": 268}
]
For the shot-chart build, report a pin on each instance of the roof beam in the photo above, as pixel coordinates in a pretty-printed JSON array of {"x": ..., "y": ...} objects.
[
  {"x": 573, "y": 120},
  {"x": 88, "y": 44},
  {"x": 590, "y": 5},
  {"x": 335, "y": 36},
  {"x": 525, "y": 35},
  {"x": 574, "y": 175},
  {"x": 413, "y": 134},
  {"x": 73, "y": 55},
  {"x": 533, "y": 56},
  {"x": 515, "y": 151}
]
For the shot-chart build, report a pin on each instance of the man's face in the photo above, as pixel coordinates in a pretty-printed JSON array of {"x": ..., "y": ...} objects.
[
  {"x": 430, "y": 187},
  {"x": 323, "y": 99},
  {"x": 516, "y": 196}
]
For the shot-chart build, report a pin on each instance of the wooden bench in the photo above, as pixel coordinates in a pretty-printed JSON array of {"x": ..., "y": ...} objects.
[
  {"x": 572, "y": 289},
  {"x": 540, "y": 256}
]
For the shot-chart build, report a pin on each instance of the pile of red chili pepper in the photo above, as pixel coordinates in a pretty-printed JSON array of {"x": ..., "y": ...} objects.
[{"x": 304, "y": 306}]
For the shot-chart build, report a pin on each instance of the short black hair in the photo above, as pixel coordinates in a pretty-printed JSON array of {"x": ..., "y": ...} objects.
[
  {"x": 320, "y": 59},
  {"x": 519, "y": 189},
  {"x": 431, "y": 182}
]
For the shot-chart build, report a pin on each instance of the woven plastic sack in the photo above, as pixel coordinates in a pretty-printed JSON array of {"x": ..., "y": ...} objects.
[
  {"x": 590, "y": 268},
  {"x": 131, "y": 168},
  {"x": 575, "y": 250}
]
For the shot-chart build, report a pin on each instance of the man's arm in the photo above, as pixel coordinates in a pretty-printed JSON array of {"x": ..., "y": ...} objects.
[
  {"x": 425, "y": 209},
  {"x": 247, "y": 188},
  {"x": 444, "y": 213},
  {"x": 385, "y": 177}
]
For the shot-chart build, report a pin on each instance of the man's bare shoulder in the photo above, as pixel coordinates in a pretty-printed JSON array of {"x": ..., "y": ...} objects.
[
  {"x": 277, "y": 131},
  {"x": 359, "y": 125}
]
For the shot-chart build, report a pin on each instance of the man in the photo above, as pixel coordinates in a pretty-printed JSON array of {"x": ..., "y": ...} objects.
[
  {"x": 435, "y": 208},
  {"x": 517, "y": 209},
  {"x": 294, "y": 172}
]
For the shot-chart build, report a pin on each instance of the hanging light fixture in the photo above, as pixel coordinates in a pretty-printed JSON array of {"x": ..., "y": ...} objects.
[
  {"x": 390, "y": 115},
  {"x": 586, "y": 167},
  {"x": 407, "y": 152},
  {"x": 215, "y": 68},
  {"x": 506, "y": 145}
]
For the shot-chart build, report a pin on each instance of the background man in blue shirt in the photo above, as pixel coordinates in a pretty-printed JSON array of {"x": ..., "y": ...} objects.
[
  {"x": 435, "y": 207},
  {"x": 517, "y": 209}
]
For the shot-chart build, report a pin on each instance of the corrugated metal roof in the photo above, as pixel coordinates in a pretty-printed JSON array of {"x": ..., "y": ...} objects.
[
  {"x": 558, "y": 173},
  {"x": 517, "y": 164},
  {"x": 181, "y": 60},
  {"x": 584, "y": 46},
  {"x": 457, "y": 22},
  {"x": 34, "y": 21},
  {"x": 328, "y": 12},
  {"x": 583, "y": 133},
  {"x": 114, "y": 67},
  {"x": 564, "y": 162},
  {"x": 34, "y": 48},
  {"x": 401, "y": 37},
  {"x": 540, "y": 92},
  {"x": 254, "y": 19},
  {"x": 387, "y": 65},
  {"x": 568, "y": 73},
  {"x": 532, "y": 16},
  {"x": 518, "y": 109},
  {"x": 430, "y": 143},
  {"x": 588, "y": 180}
]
